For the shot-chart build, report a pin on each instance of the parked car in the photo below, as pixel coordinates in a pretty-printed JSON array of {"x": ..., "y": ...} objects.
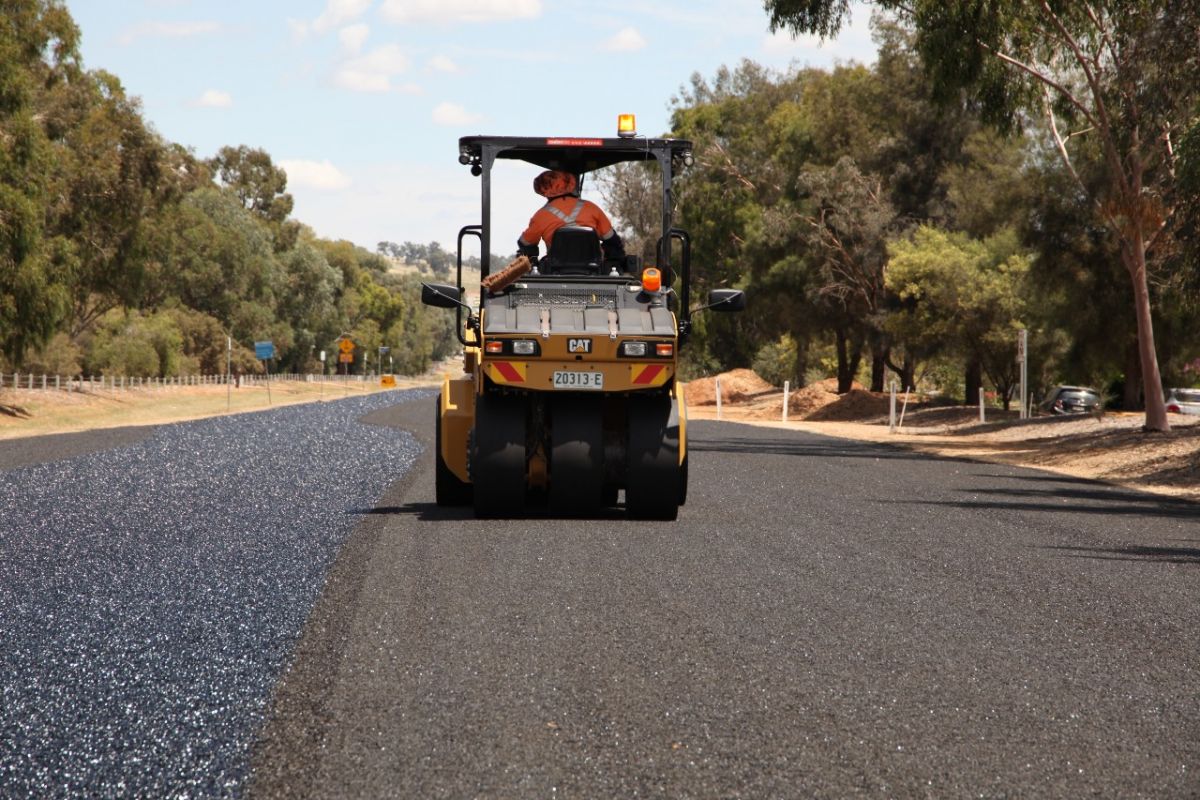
[
  {"x": 1183, "y": 401},
  {"x": 1071, "y": 400}
]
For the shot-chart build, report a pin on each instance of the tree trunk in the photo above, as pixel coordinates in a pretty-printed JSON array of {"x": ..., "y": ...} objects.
[
  {"x": 857, "y": 343},
  {"x": 879, "y": 356},
  {"x": 878, "y": 371},
  {"x": 1006, "y": 395},
  {"x": 800, "y": 367},
  {"x": 1131, "y": 399},
  {"x": 907, "y": 371},
  {"x": 974, "y": 378},
  {"x": 844, "y": 375},
  {"x": 1134, "y": 255}
]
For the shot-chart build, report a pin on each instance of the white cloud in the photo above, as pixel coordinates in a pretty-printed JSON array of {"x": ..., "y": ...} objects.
[
  {"x": 626, "y": 39},
  {"x": 298, "y": 29},
  {"x": 166, "y": 30},
  {"x": 339, "y": 12},
  {"x": 459, "y": 10},
  {"x": 374, "y": 71},
  {"x": 213, "y": 98},
  {"x": 320, "y": 175},
  {"x": 443, "y": 64},
  {"x": 452, "y": 114},
  {"x": 357, "y": 81},
  {"x": 353, "y": 37}
]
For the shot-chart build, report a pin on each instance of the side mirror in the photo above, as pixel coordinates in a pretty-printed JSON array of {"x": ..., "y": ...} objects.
[
  {"x": 726, "y": 300},
  {"x": 441, "y": 295}
]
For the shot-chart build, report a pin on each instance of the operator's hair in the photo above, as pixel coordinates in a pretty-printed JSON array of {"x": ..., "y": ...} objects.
[{"x": 555, "y": 183}]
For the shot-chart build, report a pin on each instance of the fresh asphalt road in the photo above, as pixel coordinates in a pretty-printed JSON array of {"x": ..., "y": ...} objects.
[
  {"x": 825, "y": 619},
  {"x": 271, "y": 605}
]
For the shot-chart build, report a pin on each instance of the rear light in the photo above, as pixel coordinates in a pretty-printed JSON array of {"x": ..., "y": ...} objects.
[
  {"x": 664, "y": 350},
  {"x": 1173, "y": 408},
  {"x": 516, "y": 347},
  {"x": 634, "y": 349}
]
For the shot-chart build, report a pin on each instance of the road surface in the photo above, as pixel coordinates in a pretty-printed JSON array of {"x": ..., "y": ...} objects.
[{"x": 271, "y": 605}]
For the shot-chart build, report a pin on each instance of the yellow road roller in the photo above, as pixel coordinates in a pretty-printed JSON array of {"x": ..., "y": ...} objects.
[{"x": 569, "y": 394}]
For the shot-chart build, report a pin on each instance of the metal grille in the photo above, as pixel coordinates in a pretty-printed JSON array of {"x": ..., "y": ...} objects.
[{"x": 571, "y": 298}]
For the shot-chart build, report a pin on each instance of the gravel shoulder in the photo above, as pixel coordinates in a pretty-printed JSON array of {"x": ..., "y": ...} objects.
[{"x": 153, "y": 583}]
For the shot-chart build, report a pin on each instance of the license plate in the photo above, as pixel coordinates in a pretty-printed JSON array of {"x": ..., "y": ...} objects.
[{"x": 568, "y": 379}]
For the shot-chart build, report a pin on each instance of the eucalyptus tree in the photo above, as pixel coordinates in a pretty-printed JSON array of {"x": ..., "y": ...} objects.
[
  {"x": 963, "y": 296},
  {"x": 1124, "y": 74},
  {"x": 848, "y": 220},
  {"x": 38, "y": 54},
  {"x": 109, "y": 176}
]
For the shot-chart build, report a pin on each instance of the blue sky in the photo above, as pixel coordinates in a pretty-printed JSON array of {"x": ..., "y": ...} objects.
[{"x": 363, "y": 101}]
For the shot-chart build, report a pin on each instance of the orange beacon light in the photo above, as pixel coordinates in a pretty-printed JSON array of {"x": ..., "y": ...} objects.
[{"x": 651, "y": 279}]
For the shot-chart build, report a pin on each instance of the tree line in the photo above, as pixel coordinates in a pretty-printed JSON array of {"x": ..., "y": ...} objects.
[
  {"x": 122, "y": 253},
  {"x": 430, "y": 258},
  {"x": 1006, "y": 167}
]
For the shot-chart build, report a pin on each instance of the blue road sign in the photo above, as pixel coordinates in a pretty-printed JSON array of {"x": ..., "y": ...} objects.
[{"x": 264, "y": 350}]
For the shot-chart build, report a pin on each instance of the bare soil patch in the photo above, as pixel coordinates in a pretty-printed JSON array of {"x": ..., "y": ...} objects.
[{"x": 1112, "y": 448}]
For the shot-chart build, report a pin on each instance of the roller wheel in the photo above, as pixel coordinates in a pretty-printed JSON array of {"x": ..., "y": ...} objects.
[
  {"x": 683, "y": 480},
  {"x": 576, "y": 456},
  {"x": 652, "y": 489},
  {"x": 610, "y": 496},
  {"x": 448, "y": 489},
  {"x": 498, "y": 456}
]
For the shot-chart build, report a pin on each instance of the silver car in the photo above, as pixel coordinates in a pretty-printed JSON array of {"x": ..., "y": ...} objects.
[{"x": 1183, "y": 401}]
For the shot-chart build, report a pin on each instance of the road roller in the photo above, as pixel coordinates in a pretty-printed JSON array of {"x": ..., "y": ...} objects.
[{"x": 570, "y": 400}]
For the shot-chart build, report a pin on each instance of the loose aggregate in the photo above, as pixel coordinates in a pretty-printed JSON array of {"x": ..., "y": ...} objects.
[{"x": 151, "y": 595}]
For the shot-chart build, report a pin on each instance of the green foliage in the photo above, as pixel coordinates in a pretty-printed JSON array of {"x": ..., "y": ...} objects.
[
  {"x": 122, "y": 247},
  {"x": 59, "y": 356},
  {"x": 1114, "y": 82},
  {"x": 776, "y": 362},
  {"x": 258, "y": 184},
  {"x": 130, "y": 343},
  {"x": 202, "y": 341},
  {"x": 962, "y": 296},
  {"x": 38, "y": 56}
]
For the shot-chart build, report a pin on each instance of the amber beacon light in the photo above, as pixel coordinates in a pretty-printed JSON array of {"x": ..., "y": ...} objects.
[
  {"x": 626, "y": 126},
  {"x": 651, "y": 279}
]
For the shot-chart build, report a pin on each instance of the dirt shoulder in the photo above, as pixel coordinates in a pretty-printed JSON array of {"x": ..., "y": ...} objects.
[
  {"x": 37, "y": 412},
  {"x": 1113, "y": 449}
]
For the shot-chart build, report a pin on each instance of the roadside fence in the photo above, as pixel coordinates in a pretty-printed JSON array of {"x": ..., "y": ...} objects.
[{"x": 115, "y": 383}]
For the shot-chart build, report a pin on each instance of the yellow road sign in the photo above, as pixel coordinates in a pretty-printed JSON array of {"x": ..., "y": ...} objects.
[
  {"x": 346, "y": 346},
  {"x": 388, "y": 380}
]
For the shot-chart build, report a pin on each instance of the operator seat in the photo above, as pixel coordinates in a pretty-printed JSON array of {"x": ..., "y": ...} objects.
[{"x": 574, "y": 250}]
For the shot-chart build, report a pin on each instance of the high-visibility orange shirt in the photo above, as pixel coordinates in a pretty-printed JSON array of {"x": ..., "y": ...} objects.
[{"x": 545, "y": 222}]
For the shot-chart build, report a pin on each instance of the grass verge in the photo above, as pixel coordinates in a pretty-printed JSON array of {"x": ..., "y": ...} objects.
[{"x": 36, "y": 412}]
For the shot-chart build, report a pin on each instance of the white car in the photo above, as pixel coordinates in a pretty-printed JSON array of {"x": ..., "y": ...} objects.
[{"x": 1183, "y": 401}]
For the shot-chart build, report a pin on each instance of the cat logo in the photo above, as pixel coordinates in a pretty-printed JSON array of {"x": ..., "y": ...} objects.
[{"x": 579, "y": 345}]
